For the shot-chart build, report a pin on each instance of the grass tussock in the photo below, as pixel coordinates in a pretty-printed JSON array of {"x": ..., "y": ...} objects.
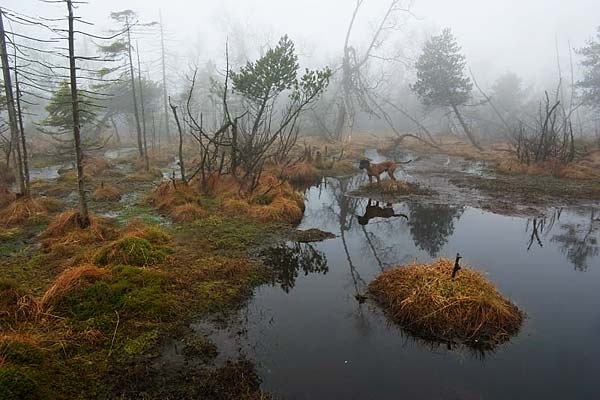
[
  {"x": 187, "y": 212},
  {"x": 69, "y": 280},
  {"x": 426, "y": 301},
  {"x": 131, "y": 250},
  {"x": 15, "y": 305},
  {"x": 389, "y": 187},
  {"x": 302, "y": 173},
  {"x": 272, "y": 201},
  {"x": 152, "y": 233},
  {"x": 106, "y": 193},
  {"x": 167, "y": 196},
  {"x": 25, "y": 210},
  {"x": 65, "y": 231}
]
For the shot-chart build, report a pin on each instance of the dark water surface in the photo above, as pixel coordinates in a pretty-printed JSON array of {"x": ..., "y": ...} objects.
[{"x": 311, "y": 338}]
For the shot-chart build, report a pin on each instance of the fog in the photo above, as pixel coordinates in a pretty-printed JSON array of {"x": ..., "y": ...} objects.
[{"x": 511, "y": 35}]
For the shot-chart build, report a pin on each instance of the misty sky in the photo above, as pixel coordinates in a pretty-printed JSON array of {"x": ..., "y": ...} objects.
[{"x": 497, "y": 36}]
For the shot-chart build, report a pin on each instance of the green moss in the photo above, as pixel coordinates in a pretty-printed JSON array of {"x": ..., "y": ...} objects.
[
  {"x": 131, "y": 250},
  {"x": 230, "y": 234},
  {"x": 18, "y": 384},
  {"x": 156, "y": 235},
  {"x": 131, "y": 291},
  {"x": 21, "y": 353},
  {"x": 141, "y": 343}
]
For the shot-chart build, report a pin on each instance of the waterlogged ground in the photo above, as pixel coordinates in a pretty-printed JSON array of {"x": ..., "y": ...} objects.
[{"x": 312, "y": 335}]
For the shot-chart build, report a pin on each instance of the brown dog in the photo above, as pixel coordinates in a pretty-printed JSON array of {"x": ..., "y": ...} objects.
[{"x": 374, "y": 170}]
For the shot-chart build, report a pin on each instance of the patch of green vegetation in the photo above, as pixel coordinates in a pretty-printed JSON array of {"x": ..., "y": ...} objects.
[
  {"x": 132, "y": 250},
  {"x": 156, "y": 235},
  {"x": 146, "y": 214},
  {"x": 140, "y": 344},
  {"x": 21, "y": 353},
  {"x": 17, "y": 384},
  {"x": 131, "y": 291},
  {"x": 229, "y": 234}
]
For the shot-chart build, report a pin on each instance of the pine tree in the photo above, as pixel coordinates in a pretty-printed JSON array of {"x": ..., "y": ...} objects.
[{"x": 441, "y": 79}]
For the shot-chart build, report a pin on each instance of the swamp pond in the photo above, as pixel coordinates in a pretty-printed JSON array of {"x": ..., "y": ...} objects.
[{"x": 311, "y": 333}]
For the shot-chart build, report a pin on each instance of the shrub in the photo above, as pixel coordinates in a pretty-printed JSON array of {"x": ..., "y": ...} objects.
[{"x": 426, "y": 301}]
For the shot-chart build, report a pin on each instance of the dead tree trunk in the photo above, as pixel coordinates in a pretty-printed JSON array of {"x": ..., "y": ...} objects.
[
  {"x": 10, "y": 103},
  {"x": 164, "y": 78},
  {"x": 22, "y": 136},
  {"x": 146, "y": 158},
  {"x": 84, "y": 218},
  {"x": 181, "y": 163},
  {"x": 134, "y": 97},
  {"x": 466, "y": 128}
]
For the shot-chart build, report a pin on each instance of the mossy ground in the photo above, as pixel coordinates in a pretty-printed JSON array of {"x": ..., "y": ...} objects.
[{"x": 86, "y": 341}]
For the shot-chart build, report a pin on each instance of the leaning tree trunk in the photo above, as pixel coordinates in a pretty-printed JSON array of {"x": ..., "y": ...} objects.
[
  {"x": 10, "y": 103},
  {"x": 134, "y": 97},
  {"x": 466, "y": 128},
  {"x": 145, "y": 142},
  {"x": 84, "y": 217}
]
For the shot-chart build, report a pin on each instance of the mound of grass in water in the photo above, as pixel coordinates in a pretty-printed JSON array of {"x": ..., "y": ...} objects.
[
  {"x": 389, "y": 187},
  {"x": 131, "y": 250},
  {"x": 427, "y": 302}
]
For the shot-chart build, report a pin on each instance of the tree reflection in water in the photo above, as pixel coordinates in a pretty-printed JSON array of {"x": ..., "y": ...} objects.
[
  {"x": 287, "y": 260},
  {"x": 432, "y": 224},
  {"x": 579, "y": 243}
]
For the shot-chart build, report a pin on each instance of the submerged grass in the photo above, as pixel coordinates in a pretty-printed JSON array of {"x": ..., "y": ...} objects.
[
  {"x": 389, "y": 188},
  {"x": 426, "y": 301}
]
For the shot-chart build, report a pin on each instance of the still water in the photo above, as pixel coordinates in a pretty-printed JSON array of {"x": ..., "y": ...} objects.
[{"x": 311, "y": 338}]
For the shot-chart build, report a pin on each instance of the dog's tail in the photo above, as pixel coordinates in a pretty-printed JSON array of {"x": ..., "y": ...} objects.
[{"x": 405, "y": 162}]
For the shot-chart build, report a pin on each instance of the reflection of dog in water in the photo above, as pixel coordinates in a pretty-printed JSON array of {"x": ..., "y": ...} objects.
[{"x": 375, "y": 211}]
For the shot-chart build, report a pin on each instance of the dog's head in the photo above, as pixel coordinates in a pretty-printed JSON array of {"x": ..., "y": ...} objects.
[{"x": 364, "y": 164}]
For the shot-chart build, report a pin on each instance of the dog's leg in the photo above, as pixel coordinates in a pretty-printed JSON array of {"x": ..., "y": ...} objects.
[{"x": 391, "y": 173}]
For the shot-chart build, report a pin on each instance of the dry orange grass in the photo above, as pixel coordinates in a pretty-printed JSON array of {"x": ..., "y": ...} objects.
[
  {"x": 187, "y": 212},
  {"x": 426, "y": 301},
  {"x": 68, "y": 280},
  {"x": 23, "y": 210},
  {"x": 65, "y": 231},
  {"x": 95, "y": 166},
  {"x": 272, "y": 201},
  {"x": 167, "y": 195},
  {"x": 301, "y": 173},
  {"x": 14, "y": 304},
  {"x": 106, "y": 193}
]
